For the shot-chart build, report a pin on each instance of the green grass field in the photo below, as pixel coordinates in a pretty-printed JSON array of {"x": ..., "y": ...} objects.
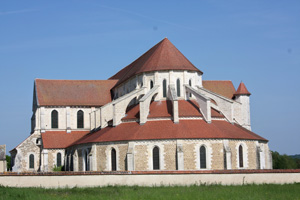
[{"x": 270, "y": 192}]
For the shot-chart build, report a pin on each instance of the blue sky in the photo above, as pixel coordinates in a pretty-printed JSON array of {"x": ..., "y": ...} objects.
[{"x": 257, "y": 42}]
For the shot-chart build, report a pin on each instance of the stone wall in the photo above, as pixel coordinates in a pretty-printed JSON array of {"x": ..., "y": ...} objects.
[
  {"x": 249, "y": 156},
  {"x": 67, "y": 118},
  {"x": 238, "y": 177},
  {"x": 157, "y": 78},
  {"x": 141, "y": 157},
  {"x": 52, "y": 158},
  {"x": 24, "y": 150}
]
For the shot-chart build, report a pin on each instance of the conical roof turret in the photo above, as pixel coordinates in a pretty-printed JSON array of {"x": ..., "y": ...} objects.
[{"x": 242, "y": 90}]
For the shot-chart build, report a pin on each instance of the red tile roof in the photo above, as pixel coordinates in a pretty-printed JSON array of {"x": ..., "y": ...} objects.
[
  {"x": 224, "y": 88},
  {"x": 166, "y": 129},
  {"x": 61, "y": 139},
  {"x": 163, "y": 56},
  {"x": 164, "y": 109},
  {"x": 73, "y": 92},
  {"x": 242, "y": 90}
]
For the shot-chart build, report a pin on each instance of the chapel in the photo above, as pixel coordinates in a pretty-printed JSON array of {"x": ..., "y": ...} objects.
[{"x": 157, "y": 113}]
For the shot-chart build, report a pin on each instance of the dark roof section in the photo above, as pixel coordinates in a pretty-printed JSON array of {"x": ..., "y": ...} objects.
[
  {"x": 166, "y": 129},
  {"x": 224, "y": 88},
  {"x": 73, "y": 92},
  {"x": 242, "y": 90},
  {"x": 61, "y": 139},
  {"x": 163, "y": 56}
]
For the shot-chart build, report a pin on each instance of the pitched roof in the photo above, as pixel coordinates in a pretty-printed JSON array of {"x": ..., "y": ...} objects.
[
  {"x": 61, "y": 139},
  {"x": 242, "y": 90},
  {"x": 166, "y": 129},
  {"x": 224, "y": 88},
  {"x": 163, "y": 56},
  {"x": 73, "y": 92}
]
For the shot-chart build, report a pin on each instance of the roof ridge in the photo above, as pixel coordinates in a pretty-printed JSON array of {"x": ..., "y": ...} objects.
[
  {"x": 74, "y": 79},
  {"x": 217, "y": 80}
]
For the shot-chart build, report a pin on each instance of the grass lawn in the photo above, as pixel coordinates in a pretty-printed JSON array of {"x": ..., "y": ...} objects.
[{"x": 270, "y": 192}]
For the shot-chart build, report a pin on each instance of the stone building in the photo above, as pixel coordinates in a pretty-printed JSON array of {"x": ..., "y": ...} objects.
[
  {"x": 2, "y": 158},
  {"x": 155, "y": 114}
]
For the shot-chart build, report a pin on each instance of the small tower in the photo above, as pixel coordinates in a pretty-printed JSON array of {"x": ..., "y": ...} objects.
[{"x": 242, "y": 95}]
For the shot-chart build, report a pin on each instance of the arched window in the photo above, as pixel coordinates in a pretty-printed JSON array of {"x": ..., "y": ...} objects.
[
  {"x": 86, "y": 161},
  {"x": 241, "y": 158},
  {"x": 71, "y": 162},
  {"x": 113, "y": 160},
  {"x": 164, "y": 88},
  {"x": 31, "y": 161},
  {"x": 190, "y": 83},
  {"x": 202, "y": 157},
  {"x": 80, "y": 116},
  {"x": 54, "y": 119},
  {"x": 151, "y": 84},
  {"x": 178, "y": 87},
  {"x": 58, "y": 159},
  {"x": 155, "y": 158}
]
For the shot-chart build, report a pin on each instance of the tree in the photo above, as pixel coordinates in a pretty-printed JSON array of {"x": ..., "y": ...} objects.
[
  {"x": 284, "y": 161},
  {"x": 8, "y": 158}
]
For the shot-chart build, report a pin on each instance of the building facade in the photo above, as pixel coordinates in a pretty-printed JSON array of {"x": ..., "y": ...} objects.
[{"x": 155, "y": 114}]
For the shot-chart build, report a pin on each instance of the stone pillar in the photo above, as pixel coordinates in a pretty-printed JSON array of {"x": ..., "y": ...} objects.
[
  {"x": 270, "y": 160},
  {"x": 42, "y": 110},
  {"x": 228, "y": 158},
  {"x": 44, "y": 162},
  {"x": 173, "y": 97},
  {"x": 227, "y": 154},
  {"x": 143, "y": 112},
  {"x": 2, "y": 158},
  {"x": 130, "y": 157},
  {"x": 175, "y": 112},
  {"x": 94, "y": 158},
  {"x": 68, "y": 119},
  {"x": 180, "y": 156},
  {"x": 75, "y": 161}
]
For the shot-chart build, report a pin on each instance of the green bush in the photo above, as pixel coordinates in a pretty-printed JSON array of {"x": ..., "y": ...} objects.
[{"x": 58, "y": 169}]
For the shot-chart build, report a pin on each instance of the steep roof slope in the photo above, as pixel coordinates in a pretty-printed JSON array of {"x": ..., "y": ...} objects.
[
  {"x": 163, "y": 56},
  {"x": 242, "y": 90},
  {"x": 73, "y": 92},
  {"x": 224, "y": 88}
]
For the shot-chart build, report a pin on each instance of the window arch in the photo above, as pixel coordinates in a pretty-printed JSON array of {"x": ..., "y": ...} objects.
[
  {"x": 164, "y": 88},
  {"x": 151, "y": 84},
  {"x": 31, "y": 161},
  {"x": 80, "y": 119},
  {"x": 178, "y": 87},
  {"x": 202, "y": 157},
  {"x": 54, "y": 119},
  {"x": 155, "y": 158},
  {"x": 58, "y": 159},
  {"x": 71, "y": 162},
  {"x": 190, "y": 83},
  {"x": 86, "y": 161},
  {"x": 241, "y": 157},
  {"x": 113, "y": 160}
]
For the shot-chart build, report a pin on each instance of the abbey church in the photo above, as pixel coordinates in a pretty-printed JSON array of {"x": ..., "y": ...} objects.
[{"x": 155, "y": 114}]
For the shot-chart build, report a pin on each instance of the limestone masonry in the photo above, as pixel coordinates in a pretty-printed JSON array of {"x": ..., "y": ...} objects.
[
  {"x": 155, "y": 114},
  {"x": 2, "y": 158}
]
